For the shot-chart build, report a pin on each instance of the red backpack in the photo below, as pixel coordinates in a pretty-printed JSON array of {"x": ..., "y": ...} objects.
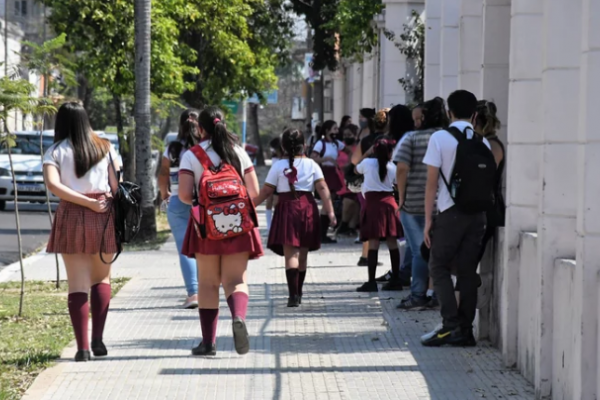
[{"x": 223, "y": 210}]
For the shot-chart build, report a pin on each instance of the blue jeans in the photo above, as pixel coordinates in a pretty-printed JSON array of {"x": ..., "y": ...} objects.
[
  {"x": 414, "y": 225},
  {"x": 178, "y": 215},
  {"x": 406, "y": 267}
]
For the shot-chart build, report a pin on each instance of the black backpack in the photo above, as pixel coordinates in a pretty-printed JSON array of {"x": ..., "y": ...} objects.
[
  {"x": 127, "y": 206},
  {"x": 471, "y": 184}
]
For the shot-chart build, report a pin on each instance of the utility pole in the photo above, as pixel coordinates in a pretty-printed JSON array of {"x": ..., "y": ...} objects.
[
  {"x": 309, "y": 94},
  {"x": 244, "y": 118},
  {"x": 5, "y": 37}
]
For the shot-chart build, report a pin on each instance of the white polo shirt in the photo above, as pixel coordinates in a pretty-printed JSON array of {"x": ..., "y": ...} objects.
[
  {"x": 441, "y": 153},
  {"x": 369, "y": 167},
  {"x": 331, "y": 150},
  {"x": 308, "y": 173}
]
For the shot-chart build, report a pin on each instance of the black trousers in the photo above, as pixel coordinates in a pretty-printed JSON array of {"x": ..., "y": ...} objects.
[{"x": 456, "y": 240}]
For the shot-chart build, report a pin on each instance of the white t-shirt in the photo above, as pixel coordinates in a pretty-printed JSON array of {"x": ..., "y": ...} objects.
[
  {"x": 308, "y": 174},
  {"x": 331, "y": 150},
  {"x": 369, "y": 167},
  {"x": 190, "y": 164},
  {"x": 174, "y": 171},
  {"x": 94, "y": 181},
  {"x": 441, "y": 153}
]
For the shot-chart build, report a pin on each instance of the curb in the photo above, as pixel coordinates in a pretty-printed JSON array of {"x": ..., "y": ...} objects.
[{"x": 15, "y": 267}]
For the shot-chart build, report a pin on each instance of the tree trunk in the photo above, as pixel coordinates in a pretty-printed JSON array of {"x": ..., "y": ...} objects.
[
  {"x": 143, "y": 145},
  {"x": 127, "y": 150},
  {"x": 254, "y": 129}
]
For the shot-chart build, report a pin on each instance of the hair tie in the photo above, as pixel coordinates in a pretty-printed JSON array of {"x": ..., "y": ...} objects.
[
  {"x": 291, "y": 174},
  {"x": 216, "y": 121}
]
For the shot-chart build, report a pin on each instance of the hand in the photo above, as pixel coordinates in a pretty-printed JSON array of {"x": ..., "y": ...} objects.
[
  {"x": 400, "y": 204},
  {"x": 166, "y": 196},
  {"x": 426, "y": 237},
  {"x": 332, "y": 219},
  {"x": 99, "y": 205}
]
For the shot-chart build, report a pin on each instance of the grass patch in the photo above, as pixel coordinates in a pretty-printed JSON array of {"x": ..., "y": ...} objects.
[
  {"x": 163, "y": 231},
  {"x": 30, "y": 344}
]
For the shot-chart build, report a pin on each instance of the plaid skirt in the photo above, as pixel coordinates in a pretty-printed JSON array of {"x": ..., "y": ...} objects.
[
  {"x": 378, "y": 219},
  {"x": 295, "y": 223},
  {"x": 249, "y": 242},
  {"x": 79, "y": 230}
]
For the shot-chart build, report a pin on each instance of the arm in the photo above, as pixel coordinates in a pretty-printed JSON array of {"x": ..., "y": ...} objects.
[
  {"x": 323, "y": 190},
  {"x": 52, "y": 179},
  {"x": 163, "y": 178},
  {"x": 357, "y": 156},
  {"x": 430, "y": 192},
  {"x": 264, "y": 194},
  {"x": 497, "y": 151},
  {"x": 186, "y": 187},
  {"x": 252, "y": 186},
  {"x": 401, "y": 177}
]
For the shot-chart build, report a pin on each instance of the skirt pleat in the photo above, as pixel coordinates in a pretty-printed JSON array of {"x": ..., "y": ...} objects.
[
  {"x": 334, "y": 178},
  {"x": 295, "y": 223},
  {"x": 249, "y": 242},
  {"x": 379, "y": 219},
  {"x": 79, "y": 230}
]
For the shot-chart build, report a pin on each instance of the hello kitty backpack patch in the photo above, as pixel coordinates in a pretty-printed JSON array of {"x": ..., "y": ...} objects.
[{"x": 223, "y": 208}]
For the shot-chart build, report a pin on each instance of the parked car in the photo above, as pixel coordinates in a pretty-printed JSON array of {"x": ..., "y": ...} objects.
[
  {"x": 114, "y": 140},
  {"x": 27, "y": 163}
]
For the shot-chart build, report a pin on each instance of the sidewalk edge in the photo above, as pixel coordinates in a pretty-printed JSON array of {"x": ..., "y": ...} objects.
[{"x": 15, "y": 267}]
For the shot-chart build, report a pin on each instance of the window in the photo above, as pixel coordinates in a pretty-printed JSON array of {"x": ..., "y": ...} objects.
[{"x": 21, "y": 8}]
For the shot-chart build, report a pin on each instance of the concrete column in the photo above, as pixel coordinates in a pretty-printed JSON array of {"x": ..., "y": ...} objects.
[
  {"x": 433, "y": 48},
  {"x": 496, "y": 57},
  {"x": 369, "y": 82},
  {"x": 470, "y": 46},
  {"x": 587, "y": 379},
  {"x": 339, "y": 95},
  {"x": 523, "y": 158},
  {"x": 558, "y": 166},
  {"x": 357, "y": 86},
  {"x": 449, "y": 50}
]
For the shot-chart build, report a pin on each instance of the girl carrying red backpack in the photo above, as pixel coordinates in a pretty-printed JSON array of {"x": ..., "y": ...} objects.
[{"x": 217, "y": 177}]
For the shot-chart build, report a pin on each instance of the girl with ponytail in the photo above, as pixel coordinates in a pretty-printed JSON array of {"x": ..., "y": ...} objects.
[
  {"x": 378, "y": 217},
  {"x": 296, "y": 227},
  {"x": 219, "y": 261}
]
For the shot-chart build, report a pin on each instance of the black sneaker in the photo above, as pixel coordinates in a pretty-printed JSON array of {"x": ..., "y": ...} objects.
[
  {"x": 82, "y": 356},
  {"x": 240, "y": 336},
  {"x": 368, "y": 287},
  {"x": 446, "y": 336},
  {"x": 205, "y": 350},
  {"x": 293, "y": 301},
  {"x": 363, "y": 262},
  {"x": 328, "y": 240},
  {"x": 469, "y": 338},
  {"x": 412, "y": 303},
  {"x": 98, "y": 348},
  {"x": 432, "y": 303},
  {"x": 385, "y": 277},
  {"x": 392, "y": 285}
]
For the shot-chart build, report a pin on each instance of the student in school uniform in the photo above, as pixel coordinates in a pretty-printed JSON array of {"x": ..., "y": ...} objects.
[
  {"x": 78, "y": 170},
  {"x": 325, "y": 153},
  {"x": 219, "y": 261},
  {"x": 296, "y": 225},
  {"x": 178, "y": 213},
  {"x": 276, "y": 154},
  {"x": 379, "y": 219}
]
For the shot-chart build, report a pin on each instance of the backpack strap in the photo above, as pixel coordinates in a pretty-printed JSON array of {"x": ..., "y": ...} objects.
[
  {"x": 201, "y": 155},
  {"x": 322, "y": 153}
]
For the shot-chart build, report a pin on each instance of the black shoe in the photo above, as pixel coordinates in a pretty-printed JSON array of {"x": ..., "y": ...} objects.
[
  {"x": 432, "y": 303},
  {"x": 469, "y": 338},
  {"x": 392, "y": 285},
  {"x": 383, "y": 278},
  {"x": 368, "y": 287},
  {"x": 412, "y": 303},
  {"x": 299, "y": 299},
  {"x": 446, "y": 336},
  {"x": 363, "y": 262},
  {"x": 328, "y": 240},
  {"x": 205, "y": 350},
  {"x": 240, "y": 336},
  {"x": 344, "y": 229},
  {"x": 98, "y": 348},
  {"x": 293, "y": 301},
  {"x": 82, "y": 356}
]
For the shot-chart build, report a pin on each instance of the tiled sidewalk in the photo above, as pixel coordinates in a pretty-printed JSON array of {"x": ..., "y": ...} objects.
[{"x": 337, "y": 345}]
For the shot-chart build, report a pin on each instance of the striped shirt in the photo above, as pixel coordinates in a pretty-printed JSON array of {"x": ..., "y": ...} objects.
[{"x": 411, "y": 153}]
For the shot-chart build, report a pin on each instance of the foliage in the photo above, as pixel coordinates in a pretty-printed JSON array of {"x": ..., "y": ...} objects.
[
  {"x": 31, "y": 343},
  {"x": 412, "y": 45}
]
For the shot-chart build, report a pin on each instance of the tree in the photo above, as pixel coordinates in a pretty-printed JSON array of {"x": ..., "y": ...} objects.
[
  {"x": 412, "y": 45},
  {"x": 142, "y": 118},
  {"x": 15, "y": 95}
]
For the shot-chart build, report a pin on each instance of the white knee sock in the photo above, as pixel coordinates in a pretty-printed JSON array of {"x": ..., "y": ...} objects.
[{"x": 269, "y": 214}]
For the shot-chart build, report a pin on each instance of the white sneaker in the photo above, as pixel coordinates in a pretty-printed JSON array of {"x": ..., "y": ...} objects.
[{"x": 191, "y": 302}]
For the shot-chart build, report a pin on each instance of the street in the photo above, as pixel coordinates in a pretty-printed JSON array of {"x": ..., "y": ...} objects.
[{"x": 35, "y": 228}]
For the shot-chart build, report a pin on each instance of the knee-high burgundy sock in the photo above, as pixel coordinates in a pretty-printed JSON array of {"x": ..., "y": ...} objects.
[
  {"x": 372, "y": 263},
  {"x": 395, "y": 260},
  {"x": 209, "y": 318},
  {"x": 79, "y": 310},
  {"x": 324, "y": 226},
  {"x": 100, "y": 300},
  {"x": 301, "y": 277},
  {"x": 292, "y": 280},
  {"x": 238, "y": 304}
]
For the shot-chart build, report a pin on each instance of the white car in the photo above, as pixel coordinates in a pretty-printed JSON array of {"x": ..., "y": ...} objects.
[
  {"x": 114, "y": 140},
  {"x": 27, "y": 161},
  {"x": 171, "y": 137}
]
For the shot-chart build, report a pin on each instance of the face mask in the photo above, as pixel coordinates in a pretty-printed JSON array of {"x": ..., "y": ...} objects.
[
  {"x": 363, "y": 124},
  {"x": 349, "y": 141}
]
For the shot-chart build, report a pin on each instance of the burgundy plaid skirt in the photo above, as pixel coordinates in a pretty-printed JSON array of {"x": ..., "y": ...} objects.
[
  {"x": 334, "y": 178},
  {"x": 295, "y": 223},
  {"x": 249, "y": 242},
  {"x": 79, "y": 230},
  {"x": 378, "y": 218}
]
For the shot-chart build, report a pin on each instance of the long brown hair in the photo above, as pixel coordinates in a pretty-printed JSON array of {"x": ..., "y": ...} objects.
[
  {"x": 89, "y": 149},
  {"x": 222, "y": 141}
]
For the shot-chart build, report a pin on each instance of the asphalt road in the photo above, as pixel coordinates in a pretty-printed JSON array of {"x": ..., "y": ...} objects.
[{"x": 35, "y": 228}]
